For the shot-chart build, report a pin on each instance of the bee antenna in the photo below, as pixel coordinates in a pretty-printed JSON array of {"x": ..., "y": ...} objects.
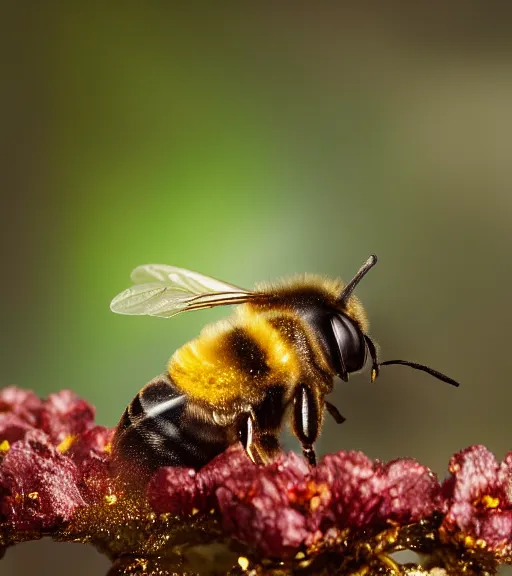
[
  {"x": 426, "y": 369},
  {"x": 349, "y": 288}
]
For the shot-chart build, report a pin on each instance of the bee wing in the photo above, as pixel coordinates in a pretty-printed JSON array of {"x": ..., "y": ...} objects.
[
  {"x": 181, "y": 279},
  {"x": 165, "y": 291}
]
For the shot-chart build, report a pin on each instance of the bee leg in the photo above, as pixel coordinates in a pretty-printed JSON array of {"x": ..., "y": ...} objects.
[
  {"x": 270, "y": 447},
  {"x": 309, "y": 454},
  {"x": 373, "y": 353},
  {"x": 306, "y": 420},
  {"x": 335, "y": 413},
  {"x": 247, "y": 435}
]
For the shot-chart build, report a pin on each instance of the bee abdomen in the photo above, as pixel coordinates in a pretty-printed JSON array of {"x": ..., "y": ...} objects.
[{"x": 161, "y": 428}]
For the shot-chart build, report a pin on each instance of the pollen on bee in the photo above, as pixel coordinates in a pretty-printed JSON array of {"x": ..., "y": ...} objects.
[
  {"x": 5, "y": 446},
  {"x": 33, "y": 495},
  {"x": 243, "y": 562}
]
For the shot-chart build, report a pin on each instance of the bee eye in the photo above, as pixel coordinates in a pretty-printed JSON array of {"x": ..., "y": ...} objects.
[{"x": 350, "y": 345}]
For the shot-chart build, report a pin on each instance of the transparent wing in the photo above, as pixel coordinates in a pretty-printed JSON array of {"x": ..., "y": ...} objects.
[
  {"x": 181, "y": 279},
  {"x": 165, "y": 291}
]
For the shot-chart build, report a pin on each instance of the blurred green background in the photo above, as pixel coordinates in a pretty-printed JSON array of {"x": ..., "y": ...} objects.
[{"x": 249, "y": 141}]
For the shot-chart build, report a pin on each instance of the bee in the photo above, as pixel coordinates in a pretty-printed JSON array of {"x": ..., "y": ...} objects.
[{"x": 275, "y": 359}]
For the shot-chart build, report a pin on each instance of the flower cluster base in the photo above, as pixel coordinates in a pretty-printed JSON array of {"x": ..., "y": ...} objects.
[{"x": 349, "y": 515}]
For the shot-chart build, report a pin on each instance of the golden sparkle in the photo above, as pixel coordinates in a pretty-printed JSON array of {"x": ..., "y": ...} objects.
[
  {"x": 489, "y": 501},
  {"x": 66, "y": 444},
  {"x": 110, "y": 499}
]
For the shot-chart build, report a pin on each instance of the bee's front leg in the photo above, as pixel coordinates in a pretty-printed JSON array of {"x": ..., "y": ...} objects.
[
  {"x": 260, "y": 447},
  {"x": 306, "y": 420},
  {"x": 246, "y": 434}
]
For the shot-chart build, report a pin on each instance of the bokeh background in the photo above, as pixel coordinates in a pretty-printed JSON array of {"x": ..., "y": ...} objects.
[{"x": 249, "y": 141}]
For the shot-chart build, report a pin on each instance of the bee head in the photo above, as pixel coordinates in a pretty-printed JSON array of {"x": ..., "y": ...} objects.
[
  {"x": 344, "y": 339},
  {"x": 348, "y": 345}
]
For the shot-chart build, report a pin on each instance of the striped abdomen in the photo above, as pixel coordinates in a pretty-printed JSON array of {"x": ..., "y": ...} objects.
[{"x": 160, "y": 427}]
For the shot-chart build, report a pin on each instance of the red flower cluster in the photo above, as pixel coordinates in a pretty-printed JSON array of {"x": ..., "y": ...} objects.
[
  {"x": 55, "y": 464},
  {"x": 478, "y": 500},
  {"x": 288, "y": 506},
  {"x": 52, "y": 455}
]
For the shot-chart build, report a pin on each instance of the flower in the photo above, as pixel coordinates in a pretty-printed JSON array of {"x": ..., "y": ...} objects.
[
  {"x": 39, "y": 484},
  {"x": 19, "y": 412},
  {"x": 479, "y": 500},
  {"x": 346, "y": 515},
  {"x": 47, "y": 451}
]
